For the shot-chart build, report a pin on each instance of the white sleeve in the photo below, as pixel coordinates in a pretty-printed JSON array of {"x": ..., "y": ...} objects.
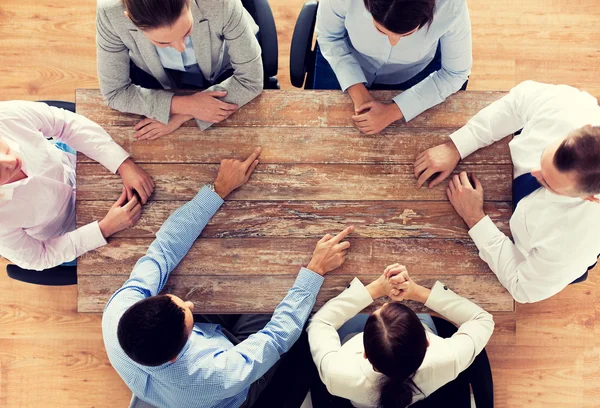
[
  {"x": 75, "y": 130},
  {"x": 475, "y": 325},
  {"x": 501, "y": 118},
  {"x": 322, "y": 330}
]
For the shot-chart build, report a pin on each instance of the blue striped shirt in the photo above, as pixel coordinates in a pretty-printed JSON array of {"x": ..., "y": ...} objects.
[{"x": 209, "y": 371}]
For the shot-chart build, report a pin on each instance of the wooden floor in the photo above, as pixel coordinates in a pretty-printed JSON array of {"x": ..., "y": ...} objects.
[{"x": 544, "y": 355}]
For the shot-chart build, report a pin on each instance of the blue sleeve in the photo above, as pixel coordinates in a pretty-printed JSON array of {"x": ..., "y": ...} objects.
[
  {"x": 172, "y": 243},
  {"x": 457, "y": 59},
  {"x": 252, "y": 358},
  {"x": 333, "y": 41}
]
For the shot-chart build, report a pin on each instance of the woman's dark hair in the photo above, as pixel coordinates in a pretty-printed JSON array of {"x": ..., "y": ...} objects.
[
  {"x": 401, "y": 16},
  {"x": 395, "y": 344},
  {"x": 152, "y": 331},
  {"x": 154, "y": 13}
]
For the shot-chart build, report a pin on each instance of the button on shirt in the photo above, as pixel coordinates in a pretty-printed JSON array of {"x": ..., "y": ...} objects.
[
  {"x": 37, "y": 214},
  {"x": 210, "y": 371},
  {"x": 359, "y": 53},
  {"x": 556, "y": 238}
]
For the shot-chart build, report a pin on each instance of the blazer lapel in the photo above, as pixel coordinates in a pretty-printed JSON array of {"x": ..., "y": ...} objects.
[
  {"x": 150, "y": 56},
  {"x": 201, "y": 41}
]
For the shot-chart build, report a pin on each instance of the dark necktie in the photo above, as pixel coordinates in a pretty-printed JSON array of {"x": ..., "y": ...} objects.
[{"x": 524, "y": 185}]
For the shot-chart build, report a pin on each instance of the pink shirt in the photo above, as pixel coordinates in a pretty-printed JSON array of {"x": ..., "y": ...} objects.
[{"x": 37, "y": 214}]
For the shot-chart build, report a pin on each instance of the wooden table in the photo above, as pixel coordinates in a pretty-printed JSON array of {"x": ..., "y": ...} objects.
[{"x": 317, "y": 174}]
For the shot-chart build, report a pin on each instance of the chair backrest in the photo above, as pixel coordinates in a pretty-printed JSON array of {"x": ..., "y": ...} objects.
[
  {"x": 260, "y": 10},
  {"x": 302, "y": 56}
]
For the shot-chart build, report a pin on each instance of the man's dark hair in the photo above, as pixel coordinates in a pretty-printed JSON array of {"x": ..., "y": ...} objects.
[
  {"x": 580, "y": 153},
  {"x": 154, "y": 13},
  {"x": 152, "y": 331},
  {"x": 401, "y": 16}
]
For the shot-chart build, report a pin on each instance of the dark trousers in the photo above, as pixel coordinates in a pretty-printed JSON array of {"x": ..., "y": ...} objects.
[
  {"x": 286, "y": 384},
  {"x": 325, "y": 78}
]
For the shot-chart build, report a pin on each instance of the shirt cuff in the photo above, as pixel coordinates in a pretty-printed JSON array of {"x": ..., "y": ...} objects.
[
  {"x": 87, "y": 238},
  {"x": 437, "y": 299},
  {"x": 463, "y": 140},
  {"x": 114, "y": 158},
  {"x": 209, "y": 200},
  {"x": 484, "y": 232},
  {"x": 349, "y": 75},
  {"x": 309, "y": 281},
  {"x": 360, "y": 293},
  {"x": 409, "y": 105}
]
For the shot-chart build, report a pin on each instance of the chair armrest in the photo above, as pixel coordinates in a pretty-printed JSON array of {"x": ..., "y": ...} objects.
[{"x": 302, "y": 43}]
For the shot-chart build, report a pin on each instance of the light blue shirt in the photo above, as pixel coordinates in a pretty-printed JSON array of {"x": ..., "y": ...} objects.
[
  {"x": 210, "y": 371},
  {"x": 359, "y": 53},
  {"x": 184, "y": 61}
]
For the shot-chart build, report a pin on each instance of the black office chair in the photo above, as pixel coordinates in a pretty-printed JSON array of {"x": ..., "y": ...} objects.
[
  {"x": 267, "y": 38},
  {"x": 59, "y": 275},
  {"x": 456, "y": 394},
  {"x": 302, "y": 53},
  {"x": 478, "y": 377}
]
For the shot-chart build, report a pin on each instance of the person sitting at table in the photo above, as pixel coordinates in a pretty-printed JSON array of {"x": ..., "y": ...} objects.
[
  {"x": 37, "y": 185},
  {"x": 167, "y": 360},
  {"x": 420, "y": 46},
  {"x": 393, "y": 357},
  {"x": 556, "y": 158},
  {"x": 148, "y": 47}
]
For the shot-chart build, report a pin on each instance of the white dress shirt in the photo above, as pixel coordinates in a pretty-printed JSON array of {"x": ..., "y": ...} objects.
[
  {"x": 556, "y": 238},
  {"x": 359, "y": 53},
  {"x": 37, "y": 214},
  {"x": 170, "y": 58},
  {"x": 347, "y": 374}
]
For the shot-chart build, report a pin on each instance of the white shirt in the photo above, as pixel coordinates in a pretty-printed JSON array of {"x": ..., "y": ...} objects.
[
  {"x": 347, "y": 374},
  {"x": 359, "y": 53},
  {"x": 556, "y": 238},
  {"x": 37, "y": 214},
  {"x": 180, "y": 61}
]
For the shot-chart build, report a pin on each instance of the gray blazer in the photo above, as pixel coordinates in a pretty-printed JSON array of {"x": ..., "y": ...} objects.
[{"x": 223, "y": 31}]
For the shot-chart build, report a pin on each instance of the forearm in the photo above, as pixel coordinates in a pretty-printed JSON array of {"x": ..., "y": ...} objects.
[{"x": 359, "y": 94}]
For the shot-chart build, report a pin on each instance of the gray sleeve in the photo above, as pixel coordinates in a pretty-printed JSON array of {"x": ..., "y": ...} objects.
[
  {"x": 113, "y": 74},
  {"x": 245, "y": 55}
]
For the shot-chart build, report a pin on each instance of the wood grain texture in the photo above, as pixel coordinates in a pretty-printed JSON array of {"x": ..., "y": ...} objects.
[
  {"x": 273, "y": 256},
  {"x": 292, "y": 182},
  {"x": 295, "y": 145},
  {"x": 305, "y": 109},
  {"x": 262, "y": 294},
  {"x": 309, "y": 219}
]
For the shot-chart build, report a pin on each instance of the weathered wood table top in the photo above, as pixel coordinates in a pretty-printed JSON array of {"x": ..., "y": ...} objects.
[{"x": 317, "y": 174}]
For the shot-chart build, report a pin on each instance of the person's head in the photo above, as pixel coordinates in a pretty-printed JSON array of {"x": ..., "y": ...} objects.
[
  {"x": 154, "y": 330},
  {"x": 399, "y": 18},
  {"x": 166, "y": 23},
  {"x": 11, "y": 163},
  {"x": 571, "y": 166},
  {"x": 395, "y": 344}
]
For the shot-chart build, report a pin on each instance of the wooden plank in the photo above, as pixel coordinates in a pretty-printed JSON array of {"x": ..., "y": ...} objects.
[
  {"x": 274, "y": 256},
  {"x": 295, "y": 145},
  {"x": 293, "y": 182},
  {"x": 262, "y": 294},
  {"x": 305, "y": 109},
  {"x": 309, "y": 219}
]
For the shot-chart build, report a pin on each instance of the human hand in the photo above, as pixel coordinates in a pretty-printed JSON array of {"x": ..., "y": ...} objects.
[
  {"x": 135, "y": 179},
  {"x": 466, "y": 199},
  {"x": 121, "y": 215},
  {"x": 150, "y": 129},
  {"x": 330, "y": 252},
  {"x": 404, "y": 287},
  {"x": 383, "y": 285},
  {"x": 205, "y": 106},
  {"x": 233, "y": 173},
  {"x": 440, "y": 159},
  {"x": 374, "y": 116}
]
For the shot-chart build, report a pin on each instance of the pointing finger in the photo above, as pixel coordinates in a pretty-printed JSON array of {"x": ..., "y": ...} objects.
[{"x": 339, "y": 237}]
